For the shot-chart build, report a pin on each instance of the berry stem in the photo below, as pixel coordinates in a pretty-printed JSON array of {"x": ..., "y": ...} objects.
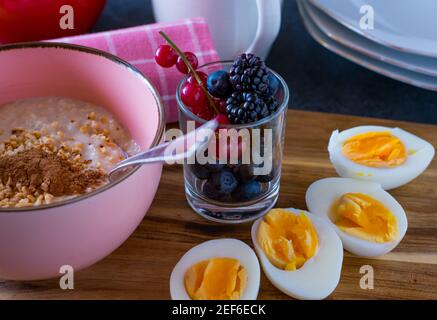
[{"x": 192, "y": 71}]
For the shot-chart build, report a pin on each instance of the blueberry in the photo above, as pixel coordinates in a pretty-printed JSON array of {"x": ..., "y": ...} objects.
[
  {"x": 265, "y": 177},
  {"x": 220, "y": 184},
  {"x": 224, "y": 181},
  {"x": 200, "y": 171},
  {"x": 214, "y": 167},
  {"x": 247, "y": 191},
  {"x": 273, "y": 84},
  {"x": 233, "y": 166},
  {"x": 210, "y": 190},
  {"x": 245, "y": 173},
  {"x": 218, "y": 84}
]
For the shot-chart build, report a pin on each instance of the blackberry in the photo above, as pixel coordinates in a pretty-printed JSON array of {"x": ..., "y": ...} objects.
[
  {"x": 273, "y": 85},
  {"x": 245, "y": 107},
  {"x": 249, "y": 73},
  {"x": 272, "y": 104}
]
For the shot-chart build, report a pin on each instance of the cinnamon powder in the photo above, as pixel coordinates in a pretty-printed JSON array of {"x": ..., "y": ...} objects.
[{"x": 36, "y": 168}]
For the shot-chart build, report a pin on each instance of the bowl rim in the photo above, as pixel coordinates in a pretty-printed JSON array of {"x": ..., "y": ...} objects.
[{"x": 129, "y": 67}]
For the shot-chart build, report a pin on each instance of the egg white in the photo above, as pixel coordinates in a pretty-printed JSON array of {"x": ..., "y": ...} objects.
[
  {"x": 420, "y": 154},
  {"x": 319, "y": 276},
  {"x": 323, "y": 193},
  {"x": 220, "y": 248}
]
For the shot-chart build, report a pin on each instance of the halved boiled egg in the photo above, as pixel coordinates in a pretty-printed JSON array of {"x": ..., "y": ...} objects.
[
  {"x": 390, "y": 156},
  {"x": 223, "y": 269},
  {"x": 300, "y": 253},
  {"x": 369, "y": 221}
]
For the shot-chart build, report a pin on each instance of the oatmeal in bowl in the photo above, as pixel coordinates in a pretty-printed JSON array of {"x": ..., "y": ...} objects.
[
  {"x": 67, "y": 114},
  {"x": 54, "y": 148}
]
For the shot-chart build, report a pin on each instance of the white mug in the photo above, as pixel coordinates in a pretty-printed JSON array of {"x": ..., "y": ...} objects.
[{"x": 236, "y": 26}]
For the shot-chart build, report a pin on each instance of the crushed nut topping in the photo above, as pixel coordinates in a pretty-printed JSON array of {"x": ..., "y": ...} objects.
[
  {"x": 44, "y": 158},
  {"x": 34, "y": 171}
]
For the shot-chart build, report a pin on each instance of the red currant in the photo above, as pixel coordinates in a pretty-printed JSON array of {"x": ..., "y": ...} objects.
[
  {"x": 206, "y": 114},
  {"x": 165, "y": 56},
  {"x": 220, "y": 104},
  {"x": 202, "y": 75},
  {"x": 222, "y": 119},
  {"x": 194, "y": 97},
  {"x": 192, "y": 59}
]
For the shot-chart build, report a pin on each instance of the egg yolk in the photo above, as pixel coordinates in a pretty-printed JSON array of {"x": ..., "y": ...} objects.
[
  {"x": 216, "y": 279},
  {"x": 364, "y": 217},
  {"x": 375, "y": 149},
  {"x": 288, "y": 240}
]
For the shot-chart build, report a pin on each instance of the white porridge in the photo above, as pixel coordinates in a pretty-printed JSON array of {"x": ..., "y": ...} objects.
[{"x": 56, "y": 148}]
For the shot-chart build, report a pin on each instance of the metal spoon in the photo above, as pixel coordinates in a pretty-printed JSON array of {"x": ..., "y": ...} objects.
[{"x": 184, "y": 146}]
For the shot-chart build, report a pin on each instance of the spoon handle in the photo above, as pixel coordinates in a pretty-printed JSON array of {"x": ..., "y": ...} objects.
[{"x": 180, "y": 148}]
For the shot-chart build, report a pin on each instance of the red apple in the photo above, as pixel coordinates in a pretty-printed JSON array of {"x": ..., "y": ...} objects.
[{"x": 31, "y": 20}]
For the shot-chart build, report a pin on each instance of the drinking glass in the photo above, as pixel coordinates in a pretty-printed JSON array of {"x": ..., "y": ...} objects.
[{"x": 244, "y": 185}]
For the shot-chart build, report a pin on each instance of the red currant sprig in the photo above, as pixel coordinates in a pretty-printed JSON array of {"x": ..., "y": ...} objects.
[
  {"x": 165, "y": 56},
  {"x": 190, "y": 67},
  {"x": 192, "y": 60}
]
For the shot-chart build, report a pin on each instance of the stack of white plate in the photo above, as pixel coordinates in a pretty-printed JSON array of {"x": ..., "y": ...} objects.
[{"x": 401, "y": 45}]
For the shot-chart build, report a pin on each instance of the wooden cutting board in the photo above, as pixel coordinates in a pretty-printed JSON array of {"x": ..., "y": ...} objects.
[{"x": 141, "y": 267}]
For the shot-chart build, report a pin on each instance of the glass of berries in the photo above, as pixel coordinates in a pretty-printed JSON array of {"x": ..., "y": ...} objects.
[{"x": 237, "y": 178}]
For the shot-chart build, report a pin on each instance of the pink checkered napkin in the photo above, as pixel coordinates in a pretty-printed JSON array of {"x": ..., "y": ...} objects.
[{"x": 137, "y": 45}]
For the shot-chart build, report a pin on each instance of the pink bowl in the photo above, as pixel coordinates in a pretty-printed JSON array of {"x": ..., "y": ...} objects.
[{"x": 36, "y": 242}]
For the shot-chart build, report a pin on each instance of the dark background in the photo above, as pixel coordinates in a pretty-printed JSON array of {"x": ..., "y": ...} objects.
[{"x": 319, "y": 79}]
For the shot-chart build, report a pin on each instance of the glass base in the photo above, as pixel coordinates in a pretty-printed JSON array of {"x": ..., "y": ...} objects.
[{"x": 232, "y": 213}]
